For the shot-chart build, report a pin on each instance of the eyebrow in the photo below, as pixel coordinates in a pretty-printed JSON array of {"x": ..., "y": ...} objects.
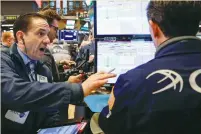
[{"x": 42, "y": 30}]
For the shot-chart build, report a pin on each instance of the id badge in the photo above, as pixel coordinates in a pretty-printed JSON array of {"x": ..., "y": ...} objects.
[
  {"x": 41, "y": 78},
  {"x": 16, "y": 116}
]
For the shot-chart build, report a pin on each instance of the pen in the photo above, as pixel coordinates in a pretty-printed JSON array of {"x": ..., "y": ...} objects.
[{"x": 111, "y": 70}]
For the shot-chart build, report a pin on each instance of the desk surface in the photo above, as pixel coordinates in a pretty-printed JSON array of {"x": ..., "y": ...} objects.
[{"x": 97, "y": 102}]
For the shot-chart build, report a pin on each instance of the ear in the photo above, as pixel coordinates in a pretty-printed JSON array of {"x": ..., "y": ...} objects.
[
  {"x": 9, "y": 40},
  {"x": 154, "y": 29},
  {"x": 19, "y": 36}
]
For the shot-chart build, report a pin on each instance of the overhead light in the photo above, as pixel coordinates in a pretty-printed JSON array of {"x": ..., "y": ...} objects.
[
  {"x": 7, "y": 25},
  {"x": 11, "y": 27}
]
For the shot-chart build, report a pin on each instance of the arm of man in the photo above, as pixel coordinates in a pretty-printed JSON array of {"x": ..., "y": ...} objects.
[
  {"x": 21, "y": 95},
  {"x": 52, "y": 117},
  {"x": 116, "y": 117}
]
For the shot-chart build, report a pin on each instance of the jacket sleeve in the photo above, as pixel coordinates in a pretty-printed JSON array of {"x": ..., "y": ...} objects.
[
  {"x": 21, "y": 95},
  {"x": 118, "y": 120},
  {"x": 52, "y": 118}
]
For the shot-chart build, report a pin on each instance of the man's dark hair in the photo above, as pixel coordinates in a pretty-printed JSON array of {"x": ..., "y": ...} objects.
[
  {"x": 175, "y": 18},
  {"x": 23, "y": 22},
  {"x": 50, "y": 15}
]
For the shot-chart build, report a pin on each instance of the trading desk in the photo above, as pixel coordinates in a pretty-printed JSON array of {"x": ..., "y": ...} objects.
[{"x": 96, "y": 102}]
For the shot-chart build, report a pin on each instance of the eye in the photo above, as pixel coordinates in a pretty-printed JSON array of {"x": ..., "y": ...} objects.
[{"x": 41, "y": 33}]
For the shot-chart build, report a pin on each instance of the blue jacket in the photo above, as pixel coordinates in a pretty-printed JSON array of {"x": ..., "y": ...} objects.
[
  {"x": 162, "y": 96},
  {"x": 41, "y": 99}
]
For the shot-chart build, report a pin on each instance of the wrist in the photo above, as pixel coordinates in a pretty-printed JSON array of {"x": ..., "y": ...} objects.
[{"x": 85, "y": 89}]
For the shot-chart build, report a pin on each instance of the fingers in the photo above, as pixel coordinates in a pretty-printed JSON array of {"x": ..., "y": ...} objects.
[
  {"x": 106, "y": 76},
  {"x": 75, "y": 79},
  {"x": 65, "y": 66},
  {"x": 95, "y": 81},
  {"x": 88, "y": 86},
  {"x": 101, "y": 72},
  {"x": 70, "y": 62},
  {"x": 80, "y": 76},
  {"x": 62, "y": 62},
  {"x": 67, "y": 62},
  {"x": 99, "y": 83}
]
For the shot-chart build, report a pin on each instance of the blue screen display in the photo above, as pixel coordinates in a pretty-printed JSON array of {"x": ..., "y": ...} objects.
[{"x": 68, "y": 35}]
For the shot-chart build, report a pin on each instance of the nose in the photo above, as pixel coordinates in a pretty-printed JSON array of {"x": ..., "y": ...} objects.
[{"x": 46, "y": 41}]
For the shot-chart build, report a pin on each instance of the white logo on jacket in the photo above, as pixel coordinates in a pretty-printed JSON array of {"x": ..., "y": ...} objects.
[
  {"x": 192, "y": 81},
  {"x": 178, "y": 80}
]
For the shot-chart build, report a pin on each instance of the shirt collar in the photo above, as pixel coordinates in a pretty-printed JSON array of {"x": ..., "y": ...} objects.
[
  {"x": 25, "y": 58},
  {"x": 4, "y": 45}
]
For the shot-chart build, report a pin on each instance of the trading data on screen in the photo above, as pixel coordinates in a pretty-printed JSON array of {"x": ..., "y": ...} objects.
[
  {"x": 123, "y": 55},
  {"x": 121, "y": 17}
]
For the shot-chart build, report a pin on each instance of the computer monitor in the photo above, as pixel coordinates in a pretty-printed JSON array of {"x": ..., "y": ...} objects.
[
  {"x": 68, "y": 35},
  {"x": 126, "y": 17},
  {"x": 85, "y": 27},
  {"x": 52, "y": 4},
  {"x": 123, "y": 55},
  {"x": 70, "y": 24}
]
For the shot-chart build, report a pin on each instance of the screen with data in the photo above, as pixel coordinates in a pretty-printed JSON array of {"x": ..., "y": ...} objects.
[
  {"x": 68, "y": 35},
  {"x": 121, "y": 17},
  {"x": 70, "y": 24},
  {"x": 123, "y": 55}
]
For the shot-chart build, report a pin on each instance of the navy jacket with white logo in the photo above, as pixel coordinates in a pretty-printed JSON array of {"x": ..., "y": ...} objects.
[{"x": 162, "y": 96}]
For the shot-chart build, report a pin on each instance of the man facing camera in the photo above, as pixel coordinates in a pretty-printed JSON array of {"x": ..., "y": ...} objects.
[
  {"x": 49, "y": 58},
  {"x": 28, "y": 96},
  {"x": 53, "y": 19},
  {"x": 162, "y": 96}
]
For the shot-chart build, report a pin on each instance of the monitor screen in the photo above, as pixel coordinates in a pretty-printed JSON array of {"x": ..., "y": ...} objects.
[
  {"x": 85, "y": 27},
  {"x": 68, "y": 35},
  {"x": 70, "y": 24},
  {"x": 126, "y": 17},
  {"x": 123, "y": 55},
  {"x": 52, "y": 4}
]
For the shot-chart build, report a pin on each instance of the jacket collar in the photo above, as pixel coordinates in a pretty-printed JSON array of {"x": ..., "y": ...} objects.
[
  {"x": 179, "y": 45},
  {"x": 4, "y": 45}
]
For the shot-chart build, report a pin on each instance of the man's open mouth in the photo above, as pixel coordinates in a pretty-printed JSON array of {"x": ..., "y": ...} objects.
[{"x": 42, "y": 49}]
